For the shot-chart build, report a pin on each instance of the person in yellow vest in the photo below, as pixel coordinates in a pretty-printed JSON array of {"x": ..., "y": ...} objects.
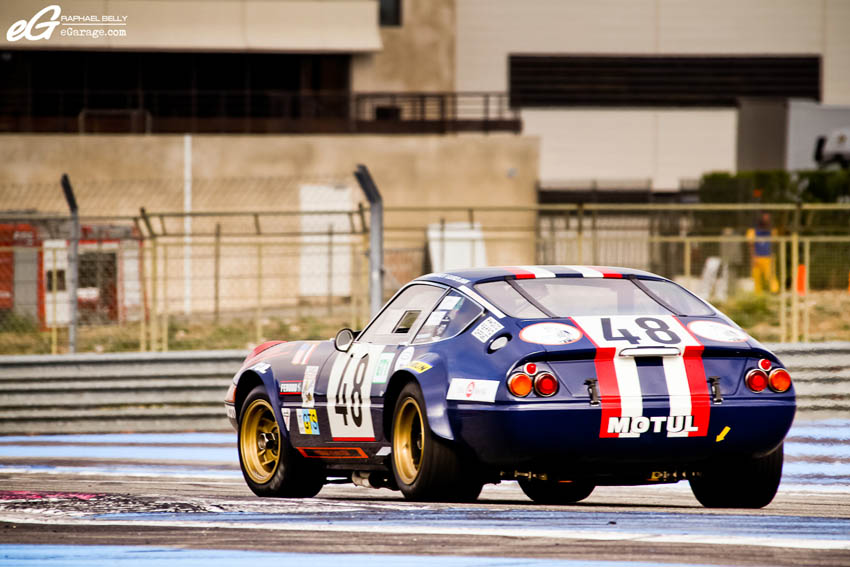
[{"x": 762, "y": 255}]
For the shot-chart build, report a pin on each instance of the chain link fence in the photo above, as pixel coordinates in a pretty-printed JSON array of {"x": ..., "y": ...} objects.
[
  {"x": 266, "y": 258},
  {"x": 274, "y": 258}
]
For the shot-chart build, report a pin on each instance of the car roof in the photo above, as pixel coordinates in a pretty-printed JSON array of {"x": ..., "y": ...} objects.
[{"x": 472, "y": 276}]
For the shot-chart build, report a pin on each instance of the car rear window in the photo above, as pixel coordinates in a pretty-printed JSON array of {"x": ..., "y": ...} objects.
[{"x": 576, "y": 297}]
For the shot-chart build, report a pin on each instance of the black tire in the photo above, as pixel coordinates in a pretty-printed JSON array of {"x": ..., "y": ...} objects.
[
  {"x": 426, "y": 467},
  {"x": 553, "y": 492},
  {"x": 270, "y": 465},
  {"x": 744, "y": 483}
]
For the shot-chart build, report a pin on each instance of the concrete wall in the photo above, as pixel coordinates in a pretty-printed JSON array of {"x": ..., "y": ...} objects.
[
  {"x": 663, "y": 145},
  {"x": 618, "y": 146},
  {"x": 468, "y": 170},
  {"x": 418, "y": 56},
  {"x": 488, "y": 30},
  {"x": 116, "y": 175}
]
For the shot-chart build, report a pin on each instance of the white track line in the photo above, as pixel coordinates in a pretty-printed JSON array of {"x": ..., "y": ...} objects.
[{"x": 572, "y": 534}]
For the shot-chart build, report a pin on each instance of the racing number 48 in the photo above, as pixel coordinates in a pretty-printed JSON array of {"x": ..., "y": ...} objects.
[
  {"x": 656, "y": 330},
  {"x": 356, "y": 400}
]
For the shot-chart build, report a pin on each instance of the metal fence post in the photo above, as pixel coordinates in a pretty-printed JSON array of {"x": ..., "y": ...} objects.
[
  {"x": 807, "y": 250},
  {"x": 143, "y": 303},
  {"x": 216, "y": 271},
  {"x": 154, "y": 342},
  {"x": 795, "y": 298},
  {"x": 164, "y": 297},
  {"x": 72, "y": 269},
  {"x": 376, "y": 238},
  {"x": 442, "y": 244},
  {"x": 330, "y": 268},
  {"x": 54, "y": 330},
  {"x": 783, "y": 295},
  {"x": 579, "y": 233},
  {"x": 259, "y": 309}
]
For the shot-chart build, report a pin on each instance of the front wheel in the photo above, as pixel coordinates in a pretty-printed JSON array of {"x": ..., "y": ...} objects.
[
  {"x": 269, "y": 463},
  {"x": 554, "y": 492},
  {"x": 426, "y": 467},
  {"x": 745, "y": 483}
]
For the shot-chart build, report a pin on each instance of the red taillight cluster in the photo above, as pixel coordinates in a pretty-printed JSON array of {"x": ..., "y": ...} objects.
[
  {"x": 542, "y": 382},
  {"x": 777, "y": 380}
]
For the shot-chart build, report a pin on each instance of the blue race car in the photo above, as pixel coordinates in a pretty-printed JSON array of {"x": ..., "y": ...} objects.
[{"x": 560, "y": 377}]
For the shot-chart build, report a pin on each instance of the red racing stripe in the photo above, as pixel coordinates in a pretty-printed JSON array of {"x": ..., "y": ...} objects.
[
  {"x": 521, "y": 274},
  {"x": 609, "y": 391},
  {"x": 606, "y": 378},
  {"x": 606, "y": 273},
  {"x": 697, "y": 383},
  {"x": 700, "y": 399}
]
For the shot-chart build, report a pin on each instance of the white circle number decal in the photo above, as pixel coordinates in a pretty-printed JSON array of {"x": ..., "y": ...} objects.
[
  {"x": 718, "y": 332},
  {"x": 550, "y": 334}
]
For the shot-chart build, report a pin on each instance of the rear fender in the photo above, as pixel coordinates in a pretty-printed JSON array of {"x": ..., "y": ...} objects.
[{"x": 434, "y": 384}]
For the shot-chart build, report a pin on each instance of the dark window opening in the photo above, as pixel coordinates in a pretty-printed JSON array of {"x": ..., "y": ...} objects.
[
  {"x": 387, "y": 113},
  {"x": 562, "y": 80},
  {"x": 60, "y": 280},
  {"x": 407, "y": 321},
  {"x": 177, "y": 90},
  {"x": 390, "y": 12},
  {"x": 97, "y": 269}
]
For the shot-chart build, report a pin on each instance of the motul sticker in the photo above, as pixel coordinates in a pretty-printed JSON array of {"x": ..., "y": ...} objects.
[{"x": 673, "y": 425}]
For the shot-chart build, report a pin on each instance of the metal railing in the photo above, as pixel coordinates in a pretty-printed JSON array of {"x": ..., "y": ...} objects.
[
  {"x": 237, "y": 278},
  {"x": 184, "y": 391},
  {"x": 254, "y": 111}
]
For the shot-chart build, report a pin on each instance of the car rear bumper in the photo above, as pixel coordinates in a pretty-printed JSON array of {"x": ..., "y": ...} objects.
[{"x": 559, "y": 435}]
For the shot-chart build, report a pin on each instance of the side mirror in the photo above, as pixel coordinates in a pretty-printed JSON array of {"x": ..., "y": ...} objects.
[{"x": 343, "y": 340}]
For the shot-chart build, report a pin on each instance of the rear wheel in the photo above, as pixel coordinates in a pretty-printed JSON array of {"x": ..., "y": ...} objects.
[
  {"x": 425, "y": 466},
  {"x": 744, "y": 483},
  {"x": 554, "y": 492},
  {"x": 269, "y": 463}
]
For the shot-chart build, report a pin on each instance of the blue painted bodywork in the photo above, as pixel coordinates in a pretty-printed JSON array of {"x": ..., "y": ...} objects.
[{"x": 558, "y": 433}]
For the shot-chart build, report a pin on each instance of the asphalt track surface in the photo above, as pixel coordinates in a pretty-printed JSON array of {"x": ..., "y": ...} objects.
[{"x": 89, "y": 500}]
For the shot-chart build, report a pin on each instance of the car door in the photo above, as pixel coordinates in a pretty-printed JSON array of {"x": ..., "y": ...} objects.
[{"x": 357, "y": 378}]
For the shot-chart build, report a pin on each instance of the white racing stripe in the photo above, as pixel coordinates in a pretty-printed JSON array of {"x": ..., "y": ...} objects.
[
  {"x": 511, "y": 531},
  {"x": 538, "y": 271},
  {"x": 628, "y": 383},
  {"x": 678, "y": 389},
  {"x": 586, "y": 272}
]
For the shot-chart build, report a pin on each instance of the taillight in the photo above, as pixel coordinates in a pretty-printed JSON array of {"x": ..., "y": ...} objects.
[
  {"x": 779, "y": 380},
  {"x": 546, "y": 385},
  {"x": 765, "y": 364},
  {"x": 756, "y": 380},
  {"x": 520, "y": 385},
  {"x": 530, "y": 369}
]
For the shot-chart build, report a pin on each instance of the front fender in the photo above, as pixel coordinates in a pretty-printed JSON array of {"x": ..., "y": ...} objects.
[{"x": 247, "y": 379}]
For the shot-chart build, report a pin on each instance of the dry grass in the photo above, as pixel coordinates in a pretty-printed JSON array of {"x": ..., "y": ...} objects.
[{"x": 759, "y": 315}]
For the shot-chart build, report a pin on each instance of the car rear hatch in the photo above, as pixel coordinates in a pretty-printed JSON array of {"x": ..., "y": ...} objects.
[{"x": 648, "y": 374}]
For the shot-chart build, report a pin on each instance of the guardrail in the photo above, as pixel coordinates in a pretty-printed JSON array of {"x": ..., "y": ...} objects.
[
  {"x": 184, "y": 391},
  {"x": 111, "y": 393}
]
